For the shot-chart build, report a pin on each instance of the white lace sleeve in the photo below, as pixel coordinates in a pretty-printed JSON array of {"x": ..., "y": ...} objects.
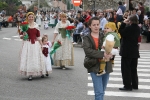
[
  {"x": 39, "y": 38},
  {"x": 56, "y": 28}
]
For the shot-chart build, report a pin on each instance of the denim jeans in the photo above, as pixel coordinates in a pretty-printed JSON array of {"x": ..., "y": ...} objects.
[{"x": 99, "y": 84}]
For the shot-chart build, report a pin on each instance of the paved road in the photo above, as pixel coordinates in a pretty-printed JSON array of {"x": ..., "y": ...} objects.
[{"x": 71, "y": 84}]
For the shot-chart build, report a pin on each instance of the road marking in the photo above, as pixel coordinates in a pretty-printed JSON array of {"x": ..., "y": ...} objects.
[
  {"x": 7, "y": 38},
  {"x": 139, "y": 70},
  {"x": 120, "y": 79},
  {"x": 139, "y": 74},
  {"x": 15, "y": 36},
  {"x": 18, "y": 39},
  {"x": 139, "y": 62},
  {"x": 120, "y": 85},
  {"x": 140, "y": 59},
  {"x": 119, "y": 65},
  {"x": 123, "y": 94}
]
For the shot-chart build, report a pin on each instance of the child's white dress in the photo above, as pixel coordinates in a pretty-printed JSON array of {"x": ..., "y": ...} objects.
[
  {"x": 46, "y": 53},
  {"x": 46, "y": 25}
]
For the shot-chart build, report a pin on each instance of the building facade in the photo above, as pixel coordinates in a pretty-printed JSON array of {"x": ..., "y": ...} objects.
[
  {"x": 54, "y": 4},
  {"x": 108, "y": 4}
]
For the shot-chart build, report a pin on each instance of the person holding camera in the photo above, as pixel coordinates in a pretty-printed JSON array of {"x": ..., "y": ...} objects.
[{"x": 129, "y": 52}]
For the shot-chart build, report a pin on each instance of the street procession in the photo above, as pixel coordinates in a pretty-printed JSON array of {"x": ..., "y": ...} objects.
[{"x": 75, "y": 49}]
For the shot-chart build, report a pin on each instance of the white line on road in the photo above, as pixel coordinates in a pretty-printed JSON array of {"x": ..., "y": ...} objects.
[
  {"x": 120, "y": 79},
  {"x": 18, "y": 39},
  {"x": 15, "y": 36},
  {"x": 145, "y": 60},
  {"x": 139, "y": 70},
  {"x": 139, "y": 62},
  {"x": 141, "y": 66},
  {"x": 139, "y": 74},
  {"x": 123, "y": 94},
  {"x": 7, "y": 38},
  {"x": 120, "y": 85}
]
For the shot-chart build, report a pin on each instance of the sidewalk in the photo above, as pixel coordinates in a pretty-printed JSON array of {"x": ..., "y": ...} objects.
[{"x": 145, "y": 46}]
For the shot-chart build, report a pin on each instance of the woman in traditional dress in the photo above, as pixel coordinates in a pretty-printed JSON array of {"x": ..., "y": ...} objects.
[
  {"x": 52, "y": 22},
  {"x": 38, "y": 18},
  {"x": 32, "y": 59},
  {"x": 64, "y": 55}
]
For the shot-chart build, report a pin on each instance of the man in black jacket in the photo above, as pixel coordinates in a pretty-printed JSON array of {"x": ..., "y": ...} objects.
[{"x": 129, "y": 52}]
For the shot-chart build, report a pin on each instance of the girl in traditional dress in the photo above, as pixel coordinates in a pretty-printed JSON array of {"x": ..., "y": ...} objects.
[
  {"x": 32, "y": 59},
  {"x": 64, "y": 55},
  {"x": 46, "y": 23},
  {"x": 38, "y": 18},
  {"x": 46, "y": 52}
]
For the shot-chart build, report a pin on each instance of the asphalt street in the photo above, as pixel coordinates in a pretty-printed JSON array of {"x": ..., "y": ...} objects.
[{"x": 74, "y": 83}]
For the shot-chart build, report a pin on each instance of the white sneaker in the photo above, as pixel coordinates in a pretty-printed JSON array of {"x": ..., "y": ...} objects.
[
  {"x": 99, "y": 74},
  {"x": 64, "y": 68},
  {"x": 74, "y": 43}
]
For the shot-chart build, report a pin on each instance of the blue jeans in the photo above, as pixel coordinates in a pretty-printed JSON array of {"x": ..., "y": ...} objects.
[{"x": 99, "y": 84}]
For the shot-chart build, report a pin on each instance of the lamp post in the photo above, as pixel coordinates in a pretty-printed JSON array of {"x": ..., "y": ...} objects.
[
  {"x": 38, "y": 4},
  {"x": 94, "y": 4}
]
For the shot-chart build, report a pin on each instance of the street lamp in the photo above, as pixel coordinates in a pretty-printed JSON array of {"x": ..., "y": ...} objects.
[{"x": 38, "y": 4}]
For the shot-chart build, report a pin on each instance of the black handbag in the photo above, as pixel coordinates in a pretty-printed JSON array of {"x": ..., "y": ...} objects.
[{"x": 90, "y": 62}]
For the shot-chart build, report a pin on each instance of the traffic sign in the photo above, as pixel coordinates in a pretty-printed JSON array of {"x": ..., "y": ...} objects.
[{"x": 76, "y": 2}]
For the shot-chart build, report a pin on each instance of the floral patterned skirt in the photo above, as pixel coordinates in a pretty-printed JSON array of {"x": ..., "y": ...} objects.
[
  {"x": 32, "y": 59},
  {"x": 65, "y": 54}
]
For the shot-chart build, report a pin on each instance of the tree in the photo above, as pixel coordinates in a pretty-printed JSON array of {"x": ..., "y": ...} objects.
[
  {"x": 11, "y": 6},
  {"x": 3, "y": 5}
]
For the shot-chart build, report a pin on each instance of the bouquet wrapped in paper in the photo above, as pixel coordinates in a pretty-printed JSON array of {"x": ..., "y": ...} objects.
[
  {"x": 109, "y": 44},
  {"x": 62, "y": 31},
  {"x": 66, "y": 32},
  {"x": 24, "y": 27},
  {"x": 55, "y": 47},
  {"x": 69, "y": 30}
]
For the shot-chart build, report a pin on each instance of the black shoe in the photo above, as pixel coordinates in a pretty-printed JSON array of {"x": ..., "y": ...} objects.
[
  {"x": 135, "y": 88},
  {"x": 42, "y": 76},
  {"x": 63, "y": 67},
  {"x": 47, "y": 75},
  {"x": 125, "y": 89},
  {"x": 30, "y": 78}
]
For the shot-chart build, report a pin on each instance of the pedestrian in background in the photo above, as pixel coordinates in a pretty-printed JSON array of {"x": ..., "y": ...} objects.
[
  {"x": 1, "y": 19},
  {"x": 38, "y": 18},
  {"x": 129, "y": 52}
]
